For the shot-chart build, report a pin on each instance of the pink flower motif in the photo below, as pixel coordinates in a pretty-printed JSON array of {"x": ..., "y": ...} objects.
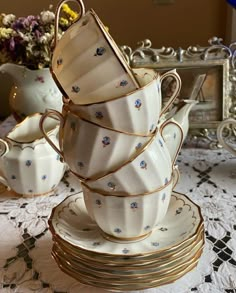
[{"x": 40, "y": 79}]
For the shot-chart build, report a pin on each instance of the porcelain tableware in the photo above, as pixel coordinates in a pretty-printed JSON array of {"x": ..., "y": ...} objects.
[
  {"x": 136, "y": 112},
  {"x": 129, "y": 275},
  {"x": 91, "y": 150},
  {"x": 128, "y": 218},
  {"x": 148, "y": 170},
  {"x": 226, "y": 134},
  {"x": 70, "y": 222},
  {"x": 87, "y": 65},
  {"x": 98, "y": 261},
  {"x": 28, "y": 164}
]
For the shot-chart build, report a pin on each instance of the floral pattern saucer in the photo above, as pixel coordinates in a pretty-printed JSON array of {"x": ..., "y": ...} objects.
[{"x": 70, "y": 222}]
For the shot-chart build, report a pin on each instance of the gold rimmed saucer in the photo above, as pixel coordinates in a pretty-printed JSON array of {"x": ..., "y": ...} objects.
[
  {"x": 158, "y": 266},
  {"x": 98, "y": 259},
  {"x": 136, "y": 283},
  {"x": 70, "y": 223}
]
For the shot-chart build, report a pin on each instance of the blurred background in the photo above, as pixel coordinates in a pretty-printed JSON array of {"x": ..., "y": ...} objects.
[{"x": 174, "y": 23}]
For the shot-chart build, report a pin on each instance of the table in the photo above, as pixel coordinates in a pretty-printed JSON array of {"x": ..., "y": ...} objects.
[{"x": 208, "y": 177}]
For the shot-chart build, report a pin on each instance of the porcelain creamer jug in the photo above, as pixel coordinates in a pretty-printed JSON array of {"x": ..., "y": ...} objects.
[
  {"x": 33, "y": 91},
  {"x": 28, "y": 164}
]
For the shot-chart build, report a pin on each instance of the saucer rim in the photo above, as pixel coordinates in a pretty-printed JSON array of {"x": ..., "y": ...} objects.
[{"x": 167, "y": 248}]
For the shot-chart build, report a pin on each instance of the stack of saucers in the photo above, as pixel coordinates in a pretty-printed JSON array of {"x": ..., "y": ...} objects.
[
  {"x": 129, "y": 227},
  {"x": 172, "y": 250}
]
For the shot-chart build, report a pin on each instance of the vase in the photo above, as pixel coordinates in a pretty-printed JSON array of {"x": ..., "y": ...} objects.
[{"x": 32, "y": 91}]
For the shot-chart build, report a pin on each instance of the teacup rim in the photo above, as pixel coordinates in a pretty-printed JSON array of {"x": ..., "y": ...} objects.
[
  {"x": 20, "y": 124},
  {"x": 68, "y": 100}
]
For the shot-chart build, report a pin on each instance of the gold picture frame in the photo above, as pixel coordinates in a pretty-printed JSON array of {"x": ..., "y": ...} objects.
[{"x": 208, "y": 75}]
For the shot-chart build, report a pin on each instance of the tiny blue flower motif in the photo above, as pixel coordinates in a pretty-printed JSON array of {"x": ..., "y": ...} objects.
[
  {"x": 143, "y": 165},
  {"x": 100, "y": 51},
  {"x": 147, "y": 228},
  {"x": 163, "y": 197},
  {"x": 73, "y": 125},
  {"x": 98, "y": 202},
  {"x": 80, "y": 165},
  {"x": 96, "y": 243},
  {"x": 163, "y": 229},
  {"x": 111, "y": 185},
  {"x": 58, "y": 157},
  {"x": 59, "y": 62},
  {"x": 156, "y": 244},
  {"x": 138, "y": 146},
  {"x": 134, "y": 205},
  {"x": 106, "y": 140},
  {"x": 152, "y": 128},
  {"x": 174, "y": 135},
  {"x": 166, "y": 181},
  {"x": 117, "y": 230},
  {"x": 75, "y": 89},
  {"x": 123, "y": 83},
  {"x": 99, "y": 115},
  {"x": 44, "y": 177},
  {"x": 125, "y": 250},
  {"x": 13, "y": 177},
  {"x": 161, "y": 143},
  {"x": 28, "y": 163},
  {"x": 138, "y": 103},
  {"x": 178, "y": 211}
]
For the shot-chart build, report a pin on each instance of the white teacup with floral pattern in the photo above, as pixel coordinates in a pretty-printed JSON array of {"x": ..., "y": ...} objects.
[
  {"x": 128, "y": 218},
  {"x": 148, "y": 170},
  {"x": 28, "y": 164},
  {"x": 91, "y": 150},
  {"x": 136, "y": 112},
  {"x": 87, "y": 65}
]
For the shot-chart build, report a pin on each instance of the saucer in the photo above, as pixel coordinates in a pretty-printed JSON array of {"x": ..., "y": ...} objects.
[{"x": 71, "y": 223}]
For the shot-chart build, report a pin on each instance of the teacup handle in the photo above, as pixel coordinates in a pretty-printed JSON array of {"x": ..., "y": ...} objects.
[
  {"x": 168, "y": 132},
  {"x": 52, "y": 114},
  {"x": 57, "y": 14},
  {"x": 4, "y": 149},
  {"x": 175, "y": 75},
  {"x": 220, "y": 138},
  {"x": 176, "y": 176}
]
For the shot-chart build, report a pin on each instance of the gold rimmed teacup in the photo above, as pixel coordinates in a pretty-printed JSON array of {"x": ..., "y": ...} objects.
[{"x": 91, "y": 150}]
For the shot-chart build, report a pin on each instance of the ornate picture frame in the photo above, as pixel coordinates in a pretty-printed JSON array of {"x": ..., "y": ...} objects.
[{"x": 208, "y": 75}]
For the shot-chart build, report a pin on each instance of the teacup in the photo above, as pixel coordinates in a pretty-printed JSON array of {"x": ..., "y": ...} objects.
[
  {"x": 91, "y": 150},
  {"x": 136, "y": 112},
  {"x": 226, "y": 135},
  {"x": 147, "y": 171},
  {"x": 28, "y": 164},
  {"x": 87, "y": 65},
  {"x": 128, "y": 218}
]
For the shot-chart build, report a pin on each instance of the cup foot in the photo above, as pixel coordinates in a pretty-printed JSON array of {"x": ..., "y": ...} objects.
[{"x": 124, "y": 239}]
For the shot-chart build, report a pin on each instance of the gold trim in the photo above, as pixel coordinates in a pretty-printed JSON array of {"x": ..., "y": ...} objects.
[
  {"x": 114, "y": 47},
  {"x": 114, "y": 194},
  {"x": 168, "y": 248},
  {"x": 22, "y": 122},
  {"x": 123, "y": 259},
  {"x": 68, "y": 111},
  {"x": 132, "y": 158},
  {"x": 154, "y": 79},
  {"x": 119, "y": 282},
  {"x": 124, "y": 239},
  {"x": 122, "y": 276},
  {"x": 132, "y": 264}
]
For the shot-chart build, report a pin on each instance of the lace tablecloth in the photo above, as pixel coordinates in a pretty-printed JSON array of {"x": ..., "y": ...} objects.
[{"x": 208, "y": 177}]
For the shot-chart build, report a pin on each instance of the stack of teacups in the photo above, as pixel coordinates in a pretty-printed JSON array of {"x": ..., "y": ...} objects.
[{"x": 110, "y": 134}]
